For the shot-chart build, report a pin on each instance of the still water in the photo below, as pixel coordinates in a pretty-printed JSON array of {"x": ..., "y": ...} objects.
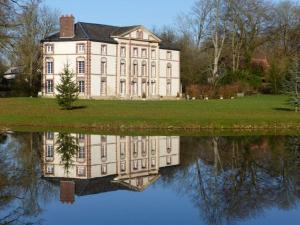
[{"x": 59, "y": 178}]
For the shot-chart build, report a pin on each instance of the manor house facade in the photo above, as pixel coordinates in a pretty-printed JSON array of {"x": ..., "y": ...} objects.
[{"x": 111, "y": 62}]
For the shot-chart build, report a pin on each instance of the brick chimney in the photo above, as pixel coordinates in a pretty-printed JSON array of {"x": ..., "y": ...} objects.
[
  {"x": 67, "y": 192},
  {"x": 67, "y": 26}
]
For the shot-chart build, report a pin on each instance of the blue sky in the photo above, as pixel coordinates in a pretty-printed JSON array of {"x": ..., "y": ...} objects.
[{"x": 123, "y": 12}]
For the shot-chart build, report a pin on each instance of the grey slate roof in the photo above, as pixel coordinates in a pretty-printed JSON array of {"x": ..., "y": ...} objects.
[{"x": 98, "y": 33}]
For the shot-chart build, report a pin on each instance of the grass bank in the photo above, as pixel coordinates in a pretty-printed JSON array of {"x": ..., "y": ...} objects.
[{"x": 254, "y": 112}]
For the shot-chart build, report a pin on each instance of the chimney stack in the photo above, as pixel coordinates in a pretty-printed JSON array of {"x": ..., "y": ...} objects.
[{"x": 66, "y": 26}]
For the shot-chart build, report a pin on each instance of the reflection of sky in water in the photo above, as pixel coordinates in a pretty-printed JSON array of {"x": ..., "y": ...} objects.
[{"x": 177, "y": 198}]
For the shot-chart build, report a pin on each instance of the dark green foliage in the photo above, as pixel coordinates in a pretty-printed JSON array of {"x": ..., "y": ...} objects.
[
  {"x": 67, "y": 148},
  {"x": 67, "y": 89},
  {"x": 291, "y": 84}
]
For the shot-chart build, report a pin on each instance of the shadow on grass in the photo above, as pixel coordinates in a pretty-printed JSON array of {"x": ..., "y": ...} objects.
[
  {"x": 75, "y": 108},
  {"x": 284, "y": 109}
]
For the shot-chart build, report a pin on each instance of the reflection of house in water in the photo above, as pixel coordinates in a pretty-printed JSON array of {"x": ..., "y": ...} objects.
[{"x": 107, "y": 163}]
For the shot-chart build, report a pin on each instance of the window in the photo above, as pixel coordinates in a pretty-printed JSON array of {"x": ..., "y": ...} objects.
[
  {"x": 153, "y": 146},
  {"x": 144, "y": 53},
  {"x": 123, "y": 68},
  {"x": 50, "y": 135},
  {"x": 153, "y": 54},
  {"x": 144, "y": 163},
  {"x": 103, "y": 152},
  {"x": 123, "y": 51},
  {"x": 139, "y": 181},
  {"x": 135, "y": 52},
  {"x": 144, "y": 68},
  {"x": 153, "y": 69},
  {"x": 144, "y": 149},
  {"x": 103, "y": 87},
  {"x": 169, "y": 160},
  {"x": 49, "y": 66},
  {"x": 169, "y": 70},
  {"x": 122, "y": 150},
  {"x": 50, "y": 48},
  {"x": 49, "y": 86},
  {"x": 50, "y": 169},
  {"x": 81, "y": 137},
  {"x": 169, "y": 144},
  {"x": 135, "y": 68},
  {"x": 50, "y": 151},
  {"x": 81, "y": 66},
  {"x": 135, "y": 149},
  {"x": 123, "y": 166},
  {"x": 104, "y": 169},
  {"x": 80, "y": 48},
  {"x": 168, "y": 88},
  {"x": 103, "y": 49},
  {"x": 81, "y": 171},
  {"x": 135, "y": 164},
  {"x": 134, "y": 88},
  {"x": 153, "y": 162},
  {"x": 153, "y": 88},
  {"x": 81, "y": 152},
  {"x": 81, "y": 86},
  {"x": 139, "y": 34},
  {"x": 169, "y": 55},
  {"x": 103, "y": 66},
  {"x": 122, "y": 87}
]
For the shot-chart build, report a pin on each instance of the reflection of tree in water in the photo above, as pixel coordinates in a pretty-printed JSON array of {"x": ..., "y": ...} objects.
[
  {"x": 67, "y": 148},
  {"x": 230, "y": 179},
  {"x": 21, "y": 189}
]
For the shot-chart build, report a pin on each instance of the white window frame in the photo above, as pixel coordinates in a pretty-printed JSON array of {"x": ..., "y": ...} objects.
[
  {"x": 103, "y": 49},
  {"x": 49, "y": 88},
  {"x": 81, "y": 66},
  {"x": 81, "y": 86}
]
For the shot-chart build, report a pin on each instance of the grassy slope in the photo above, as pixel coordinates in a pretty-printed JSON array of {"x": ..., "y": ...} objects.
[{"x": 254, "y": 111}]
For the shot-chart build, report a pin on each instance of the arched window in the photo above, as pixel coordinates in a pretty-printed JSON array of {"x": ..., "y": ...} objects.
[
  {"x": 123, "y": 67},
  {"x": 144, "y": 68},
  {"x": 169, "y": 70},
  {"x": 80, "y": 68},
  {"x": 103, "y": 66},
  {"x": 135, "y": 68},
  {"x": 153, "y": 69}
]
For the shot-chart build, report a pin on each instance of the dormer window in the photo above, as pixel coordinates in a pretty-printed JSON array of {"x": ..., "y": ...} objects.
[
  {"x": 139, "y": 34},
  {"x": 50, "y": 48},
  {"x": 103, "y": 49},
  {"x": 80, "y": 48}
]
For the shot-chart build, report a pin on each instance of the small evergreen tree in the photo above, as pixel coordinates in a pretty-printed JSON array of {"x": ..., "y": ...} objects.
[
  {"x": 67, "y": 90},
  {"x": 291, "y": 84}
]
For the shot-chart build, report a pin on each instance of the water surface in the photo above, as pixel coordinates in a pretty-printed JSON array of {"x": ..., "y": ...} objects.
[{"x": 60, "y": 178}]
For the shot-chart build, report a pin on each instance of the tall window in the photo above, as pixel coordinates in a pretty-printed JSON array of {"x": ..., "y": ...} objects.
[
  {"x": 50, "y": 151},
  {"x": 135, "y": 68},
  {"x": 49, "y": 86},
  {"x": 169, "y": 70},
  {"x": 81, "y": 152},
  {"x": 123, "y": 67},
  {"x": 49, "y": 66},
  {"x": 81, "y": 86},
  {"x": 123, "y": 51},
  {"x": 169, "y": 55},
  {"x": 50, "y": 136},
  {"x": 153, "y": 69},
  {"x": 104, "y": 49},
  {"x": 103, "y": 152},
  {"x": 144, "y": 53},
  {"x": 153, "y": 88},
  {"x": 135, "y": 52},
  {"x": 80, "y": 48},
  {"x": 144, "y": 68},
  {"x": 122, "y": 87},
  {"x": 103, "y": 87},
  {"x": 168, "y": 88},
  {"x": 103, "y": 66},
  {"x": 50, "y": 169},
  {"x": 153, "y": 54},
  {"x": 49, "y": 48},
  {"x": 81, "y": 66}
]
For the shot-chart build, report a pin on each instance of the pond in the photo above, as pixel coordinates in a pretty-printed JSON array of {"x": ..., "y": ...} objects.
[{"x": 61, "y": 178}]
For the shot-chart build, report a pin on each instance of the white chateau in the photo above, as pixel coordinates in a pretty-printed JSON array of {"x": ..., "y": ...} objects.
[
  {"x": 111, "y": 62},
  {"x": 107, "y": 163}
]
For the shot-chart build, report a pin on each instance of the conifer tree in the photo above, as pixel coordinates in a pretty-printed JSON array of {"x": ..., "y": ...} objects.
[
  {"x": 67, "y": 89},
  {"x": 291, "y": 84}
]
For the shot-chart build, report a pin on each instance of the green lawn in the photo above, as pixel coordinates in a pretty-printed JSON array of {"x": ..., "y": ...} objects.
[{"x": 249, "y": 112}]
